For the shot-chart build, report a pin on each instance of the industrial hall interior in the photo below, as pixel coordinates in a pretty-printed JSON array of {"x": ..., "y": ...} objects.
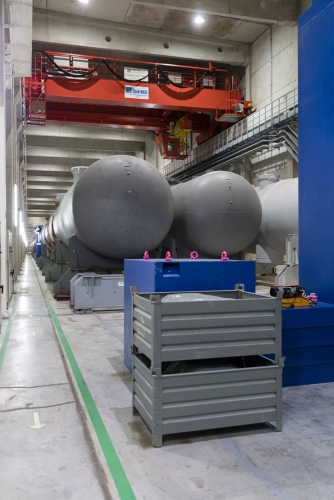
[{"x": 166, "y": 250}]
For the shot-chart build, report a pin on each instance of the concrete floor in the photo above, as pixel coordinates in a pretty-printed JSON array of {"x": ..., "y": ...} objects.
[{"x": 57, "y": 461}]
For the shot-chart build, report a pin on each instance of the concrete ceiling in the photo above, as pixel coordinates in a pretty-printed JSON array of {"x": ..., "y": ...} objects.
[
  {"x": 18, "y": 37},
  {"x": 163, "y": 18},
  {"x": 178, "y": 15}
]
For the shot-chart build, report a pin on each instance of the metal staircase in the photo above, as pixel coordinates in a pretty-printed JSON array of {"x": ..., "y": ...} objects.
[{"x": 271, "y": 127}]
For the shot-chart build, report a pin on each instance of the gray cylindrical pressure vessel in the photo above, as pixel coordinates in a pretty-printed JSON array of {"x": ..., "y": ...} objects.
[
  {"x": 43, "y": 235},
  {"x": 119, "y": 207},
  {"x": 279, "y": 201},
  {"x": 219, "y": 211},
  {"x": 47, "y": 233}
]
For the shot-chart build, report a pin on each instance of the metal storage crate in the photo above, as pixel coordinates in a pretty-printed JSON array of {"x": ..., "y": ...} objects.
[
  {"x": 209, "y": 399},
  {"x": 91, "y": 291},
  {"x": 180, "y": 275},
  {"x": 247, "y": 324},
  {"x": 221, "y": 342}
]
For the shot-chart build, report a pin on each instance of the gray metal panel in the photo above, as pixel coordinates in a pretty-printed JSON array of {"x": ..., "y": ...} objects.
[
  {"x": 143, "y": 346},
  {"x": 222, "y": 405},
  {"x": 173, "y": 331},
  {"x": 221, "y": 376},
  {"x": 97, "y": 291},
  {"x": 143, "y": 391},
  {"x": 231, "y": 419},
  {"x": 215, "y": 319},
  {"x": 201, "y": 392},
  {"x": 143, "y": 397},
  {"x": 143, "y": 316},
  {"x": 218, "y": 398},
  {"x": 72, "y": 282},
  {"x": 145, "y": 415},
  {"x": 145, "y": 384}
]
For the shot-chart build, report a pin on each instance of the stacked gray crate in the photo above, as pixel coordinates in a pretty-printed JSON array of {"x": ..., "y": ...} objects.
[{"x": 249, "y": 325}]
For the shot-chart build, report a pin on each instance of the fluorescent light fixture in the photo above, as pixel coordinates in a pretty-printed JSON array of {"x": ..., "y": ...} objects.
[
  {"x": 15, "y": 205},
  {"x": 22, "y": 230},
  {"x": 199, "y": 19},
  {"x": 83, "y": 1},
  {"x": 24, "y": 238}
]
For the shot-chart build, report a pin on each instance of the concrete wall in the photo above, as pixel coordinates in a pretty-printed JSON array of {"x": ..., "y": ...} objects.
[
  {"x": 274, "y": 66},
  {"x": 278, "y": 162},
  {"x": 273, "y": 72},
  {"x": 305, "y": 4}
]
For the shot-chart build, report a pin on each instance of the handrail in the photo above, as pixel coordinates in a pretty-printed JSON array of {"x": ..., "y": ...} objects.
[{"x": 274, "y": 114}]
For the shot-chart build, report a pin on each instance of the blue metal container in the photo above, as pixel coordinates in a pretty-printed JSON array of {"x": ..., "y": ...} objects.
[
  {"x": 180, "y": 275},
  {"x": 308, "y": 345},
  {"x": 38, "y": 241}
]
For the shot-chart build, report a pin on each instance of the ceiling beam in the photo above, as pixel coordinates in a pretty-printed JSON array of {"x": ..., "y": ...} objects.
[
  {"x": 31, "y": 198},
  {"x": 32, "y": 212},
  {"x": 49, "y": 204},
  {"x": 268, "y": 11},
  {"x": 41, "y": 209},
  {"x": 49, "y": 178},
  {"x": 88, "y": 132},
  {"x": 84, "y": 144},
  {"x": 71, "y": 160},
  {"x": 46, "y": 167},
  {"x": 54, "y": 187},
  {"x": 55, "y": 28}
]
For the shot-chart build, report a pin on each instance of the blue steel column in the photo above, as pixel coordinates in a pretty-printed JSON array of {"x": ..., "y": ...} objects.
[{"x": 316, "y": 149}]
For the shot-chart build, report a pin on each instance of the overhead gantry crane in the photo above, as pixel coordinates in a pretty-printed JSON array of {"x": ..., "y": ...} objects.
[{"x": 171, "y": 100}]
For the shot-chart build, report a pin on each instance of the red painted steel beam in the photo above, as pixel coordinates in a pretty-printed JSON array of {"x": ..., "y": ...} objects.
[
  {"x": 111, "y": 93},
  {"x": 117, "y": 121},
  {"x": 105, "y": 119},
  {"x": 134, "y": 118}
]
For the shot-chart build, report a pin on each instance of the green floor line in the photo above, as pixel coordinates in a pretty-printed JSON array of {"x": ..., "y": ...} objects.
[
  {"x": 116, "y": 469},
  {"x": 7, "y": 335}
]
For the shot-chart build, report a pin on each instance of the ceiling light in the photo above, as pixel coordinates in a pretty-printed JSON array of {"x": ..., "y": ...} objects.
[
  {"x": 83, "y": 1},
  {"x": 199, "y": 19}
]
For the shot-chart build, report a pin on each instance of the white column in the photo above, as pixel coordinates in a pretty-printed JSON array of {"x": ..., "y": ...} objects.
[{"x": 3, "y": 225}]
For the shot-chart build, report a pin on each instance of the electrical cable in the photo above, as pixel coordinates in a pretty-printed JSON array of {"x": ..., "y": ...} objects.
[
  {"x": 73, "y": 75},
  {"x": 179, "y": 85},
  {"x": 81, "y": 73},
  {"x": 36, "y": 407},
  {"x": 120, "y": 77}
]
